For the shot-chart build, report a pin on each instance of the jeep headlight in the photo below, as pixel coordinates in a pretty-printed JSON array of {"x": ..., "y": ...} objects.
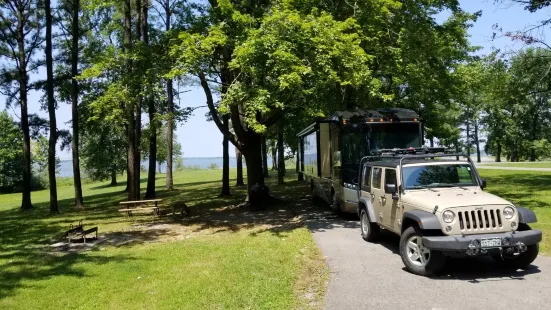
[
  {"x": 508, "y": 212},
  {"x": 448, "y": 216}
]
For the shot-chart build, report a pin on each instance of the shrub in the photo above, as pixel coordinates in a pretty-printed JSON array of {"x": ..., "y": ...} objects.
[{"x": 213, "y": 166}]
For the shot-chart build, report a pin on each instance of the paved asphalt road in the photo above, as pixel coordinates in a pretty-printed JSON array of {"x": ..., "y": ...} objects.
[{"x": 372, "y": 276}]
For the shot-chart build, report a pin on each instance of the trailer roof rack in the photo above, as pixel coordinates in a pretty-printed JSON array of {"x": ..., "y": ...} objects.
[{"x": 396, "y": 152}]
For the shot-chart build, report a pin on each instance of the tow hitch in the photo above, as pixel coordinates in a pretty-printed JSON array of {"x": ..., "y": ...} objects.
[{"x": 475, "y": 249}]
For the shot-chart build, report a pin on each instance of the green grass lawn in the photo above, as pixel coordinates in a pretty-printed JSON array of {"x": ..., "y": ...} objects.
[
  {"x": 521, "y": 165},
  {"x": 221, "y": 258},
  {"x": 529, "y": 189}
]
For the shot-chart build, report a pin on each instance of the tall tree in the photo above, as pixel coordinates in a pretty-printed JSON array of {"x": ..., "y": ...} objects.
[
  {"x": 20, "y": 37},
  {"x": 131, "y": 124},
  {"x": 225, "y": 158},
  {"x": 280, "y": 156},
  {"x": 51, "y": 109},
  {"x": 75, "y": 37},
  {"x": 11, "y": 141},
  {"x": 273, "y": 150},
  {"x": 168, "y": 9},
  {"x": 265, "y": 157},
  {"x": 150, "y": 191},
  {"x": 233, "y": 48},
  {"x": 239, "y": 160}
]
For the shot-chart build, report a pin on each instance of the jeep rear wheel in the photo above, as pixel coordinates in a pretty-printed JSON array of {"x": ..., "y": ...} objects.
[
  {"x": 416, "y": 257},
  {"x": 370, "y": 231}
]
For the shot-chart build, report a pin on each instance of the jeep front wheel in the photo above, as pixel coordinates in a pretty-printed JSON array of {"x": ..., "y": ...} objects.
[
  {"x": 416, "y": 257},
  {"x": 370, "y": 231},
  {"x": 518, "y": 261}
]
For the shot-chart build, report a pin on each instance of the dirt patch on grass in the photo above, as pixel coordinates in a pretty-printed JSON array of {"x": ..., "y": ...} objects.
[{"x": 312, "y": 279}]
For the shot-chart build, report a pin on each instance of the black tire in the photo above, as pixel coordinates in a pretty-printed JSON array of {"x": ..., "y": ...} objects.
[
  {"x": 435, "y": 262},
  {"x": 520, "y": 261},
  {"x": 335, "y": 206},
  {"x": 370, "y": 231}
]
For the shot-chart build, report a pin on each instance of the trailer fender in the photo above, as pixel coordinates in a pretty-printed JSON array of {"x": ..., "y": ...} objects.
[{"x": 366, "y": 203}]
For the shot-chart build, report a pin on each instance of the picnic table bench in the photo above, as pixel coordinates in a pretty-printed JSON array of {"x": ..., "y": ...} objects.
[{"x": 141, "y": 205}]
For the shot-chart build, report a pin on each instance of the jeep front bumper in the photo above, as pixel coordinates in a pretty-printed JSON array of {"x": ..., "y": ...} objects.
[{"x": 469, "y": 243}]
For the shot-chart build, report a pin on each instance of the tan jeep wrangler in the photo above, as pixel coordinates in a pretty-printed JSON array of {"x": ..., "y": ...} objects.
[{"x": 436, "y": 204}]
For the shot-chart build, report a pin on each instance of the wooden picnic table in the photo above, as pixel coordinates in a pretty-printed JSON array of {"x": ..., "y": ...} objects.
[{"x": 139, "y": 205}]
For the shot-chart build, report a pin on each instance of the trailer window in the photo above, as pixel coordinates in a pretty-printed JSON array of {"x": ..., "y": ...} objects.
[
  {"x": 388, "y": 136},
  {"x": 377, "y": 174}
]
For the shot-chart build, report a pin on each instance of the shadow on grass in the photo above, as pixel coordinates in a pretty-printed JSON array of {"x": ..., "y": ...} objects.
[{"x": 25, "y": 260}]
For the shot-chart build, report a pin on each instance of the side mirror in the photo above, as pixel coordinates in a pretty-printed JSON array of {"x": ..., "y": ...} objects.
[
  {"x": 483, "y": 183},
  {"x": 391, "y": 189}
]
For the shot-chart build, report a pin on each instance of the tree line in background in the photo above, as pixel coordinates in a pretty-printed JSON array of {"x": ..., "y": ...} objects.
[{"x": 267, "y": 69}]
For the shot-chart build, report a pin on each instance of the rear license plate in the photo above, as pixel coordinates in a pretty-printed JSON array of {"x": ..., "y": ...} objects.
[{"x": 489, "y": 243}]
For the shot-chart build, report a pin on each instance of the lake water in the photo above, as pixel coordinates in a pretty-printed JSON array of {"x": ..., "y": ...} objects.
[{"x": 66, "y": 166}]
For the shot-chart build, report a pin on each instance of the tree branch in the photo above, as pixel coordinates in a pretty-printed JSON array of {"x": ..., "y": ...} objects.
[{"x": 214, "y": 112}]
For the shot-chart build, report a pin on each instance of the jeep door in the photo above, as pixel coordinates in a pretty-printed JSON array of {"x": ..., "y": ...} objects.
[
  {"x": 378, "y": 193},
  {"x": 392, "y": 214}
]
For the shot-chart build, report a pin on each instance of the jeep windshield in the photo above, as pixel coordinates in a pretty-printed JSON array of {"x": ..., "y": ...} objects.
[{"x": 446, "y": 175}]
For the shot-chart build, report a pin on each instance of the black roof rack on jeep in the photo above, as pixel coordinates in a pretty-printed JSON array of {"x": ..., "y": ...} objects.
[{"x": 399, "y": 155}]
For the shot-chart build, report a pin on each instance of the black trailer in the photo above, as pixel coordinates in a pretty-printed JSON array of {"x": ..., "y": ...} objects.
[{"x": 330, "y": 150}]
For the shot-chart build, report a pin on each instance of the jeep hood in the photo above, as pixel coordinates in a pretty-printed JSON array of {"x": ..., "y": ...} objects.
[{"x": 451, "y": 197}]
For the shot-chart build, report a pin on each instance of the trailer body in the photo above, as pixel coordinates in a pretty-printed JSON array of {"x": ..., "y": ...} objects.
[{"x": 330, "y": 150}]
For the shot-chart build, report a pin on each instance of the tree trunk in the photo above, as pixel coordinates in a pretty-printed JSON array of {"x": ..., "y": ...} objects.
[
  {"x": 113, "y": 177},
  {"x": 132, "y": 156},
  {"x": 170, "y": 110},
  {"x": 239, "y": 159},
  {"x": 51, "y": 109},
  {"x": 225, "y": 158},
  {"x": 534, "y": 133},
  {"x": 170, "y": 137},
  {"x": 152, "y": 171},
  {"x": 265, "y": 158},
  {"x": 297, "y": 165},
  {"x": 26, "y": 195},
  {"x": 468, "y": 137},
  {"x": 159, "y": 167},
  {"x": 431, "y": 140},
  {"x": 253, "y": 159},
  {"x": 79, "y": 201},
  {"x": 476, "y": 141},
  {"x": 246, "y": 140},
  {"x": 274, "y": 156},
  {"x": 498, "y": 153},
  {"x": 280, "y": 157}
]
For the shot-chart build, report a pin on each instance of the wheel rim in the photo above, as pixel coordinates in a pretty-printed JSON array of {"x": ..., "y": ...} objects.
[
  {"x": 418, "y": 254},
  {"x": 365, "y": 224}
]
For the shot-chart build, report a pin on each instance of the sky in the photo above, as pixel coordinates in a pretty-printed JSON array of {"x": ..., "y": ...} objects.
[{"x": 200, "y": 138}]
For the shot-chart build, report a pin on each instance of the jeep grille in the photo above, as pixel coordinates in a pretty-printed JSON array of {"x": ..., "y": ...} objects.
[{"x": 481, "y": 219}]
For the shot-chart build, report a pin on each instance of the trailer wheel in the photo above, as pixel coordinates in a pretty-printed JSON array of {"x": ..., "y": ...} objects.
[{"x": 335, "y": 206}]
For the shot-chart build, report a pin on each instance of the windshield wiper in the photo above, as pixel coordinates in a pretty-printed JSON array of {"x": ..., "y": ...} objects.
[
  {"x": 424, "y": 187},
  {"x": 452, "y": 185}
]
